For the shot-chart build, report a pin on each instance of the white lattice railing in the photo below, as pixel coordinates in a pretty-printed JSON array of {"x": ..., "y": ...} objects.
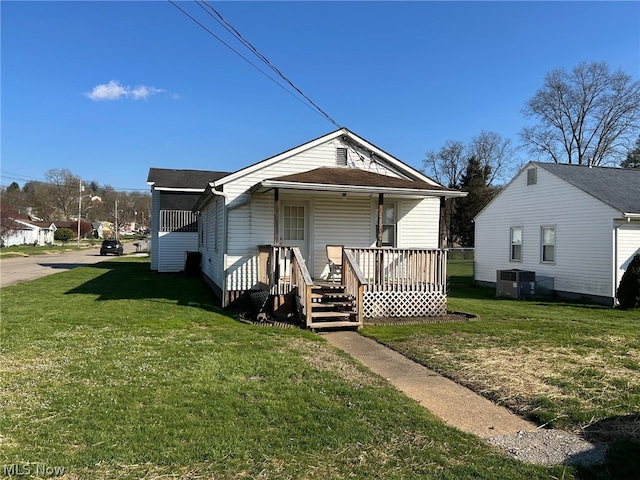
[{"x": 403, "y": 282}]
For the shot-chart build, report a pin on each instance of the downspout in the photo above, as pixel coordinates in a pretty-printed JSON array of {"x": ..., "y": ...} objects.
[{"x": 225, "y": 199}]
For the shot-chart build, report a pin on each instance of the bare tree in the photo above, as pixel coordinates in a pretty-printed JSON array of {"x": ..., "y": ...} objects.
[
  {"x": 495, "y": 154},
  {"x": 447, "y": 165},
  {"x": 586, "y": 116},
  {"x": 60, "y": 193}
]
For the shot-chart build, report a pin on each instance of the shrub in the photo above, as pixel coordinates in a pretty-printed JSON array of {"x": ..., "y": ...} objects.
[
  {"x": 63, "y": 235},
  {"x": 629, "y": 288}
]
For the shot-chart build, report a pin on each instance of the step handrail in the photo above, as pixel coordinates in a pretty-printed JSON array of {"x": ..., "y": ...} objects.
[
  {"x": 301, "y": 279},
  {"x": 353, "y": 281}
]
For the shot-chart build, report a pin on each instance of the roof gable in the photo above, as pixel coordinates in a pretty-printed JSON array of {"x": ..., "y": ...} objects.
[
  {"x": 345, "y": 134},
  {"x": 617, "y": 187}
]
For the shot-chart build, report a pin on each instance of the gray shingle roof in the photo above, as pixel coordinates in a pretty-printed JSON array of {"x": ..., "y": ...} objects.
[
  {"x": 175, "y": 178},
  {"x": 354, "y": 177},
  {"x": 617, "y": 187}
]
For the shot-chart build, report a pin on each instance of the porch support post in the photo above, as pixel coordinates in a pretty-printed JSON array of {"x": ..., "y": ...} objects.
[
  {"x": 276, "y": 217},
  {"x": 379, "y": 274},
  {"x": 443, "y": 222},
  {"x": 380, "y": 211}
]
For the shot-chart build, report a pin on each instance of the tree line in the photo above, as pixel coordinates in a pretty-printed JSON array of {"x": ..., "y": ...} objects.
[
  {"x": 63, "y": 196},
  {"x": 587, "y": 116}
]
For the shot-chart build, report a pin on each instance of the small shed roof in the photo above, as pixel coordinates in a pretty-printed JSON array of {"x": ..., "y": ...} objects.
[
  {"x": 182, "y": 179},
  {"x": 617, "y": 187}
]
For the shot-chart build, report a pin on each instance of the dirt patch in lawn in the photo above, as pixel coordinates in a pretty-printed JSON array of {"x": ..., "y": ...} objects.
[
  {"x": 323, "y": 357},
  {"x": 450, "y": 317}
]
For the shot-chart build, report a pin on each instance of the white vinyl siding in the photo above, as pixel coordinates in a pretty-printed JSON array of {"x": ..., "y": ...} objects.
[
  {"x": 418, "y": 223},
  {"x": 339, "y": 221},
  {"x": 583, "y": 245},
  {"x": 172, "y": 247}
]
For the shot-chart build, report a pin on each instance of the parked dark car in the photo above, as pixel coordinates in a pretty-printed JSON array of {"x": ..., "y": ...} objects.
[{"x": 111, "y": 246}]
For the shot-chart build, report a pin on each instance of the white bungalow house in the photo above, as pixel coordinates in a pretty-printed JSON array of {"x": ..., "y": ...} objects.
[
  {"x": 576, "y": 224},
  {"x": 30, "y": 232},
  {"x": 266, "y": 228}
]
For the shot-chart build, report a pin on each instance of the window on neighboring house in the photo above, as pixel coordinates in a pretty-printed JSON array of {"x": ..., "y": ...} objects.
[
  {"x": 516, "y": 244},
  {"x": 532, "y": 176},
  {"x": 548, "y": 244},
  {"x": 341, "y": 157},
  {"x": 201, "y": 226},
  {"x": 389, "y": 225}
]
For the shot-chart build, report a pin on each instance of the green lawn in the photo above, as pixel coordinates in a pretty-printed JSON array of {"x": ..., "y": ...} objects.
[
  {"x": 111, "y": 371},
  {"x": 571, "y": 366},
  {"x": 30, "y": 250}
]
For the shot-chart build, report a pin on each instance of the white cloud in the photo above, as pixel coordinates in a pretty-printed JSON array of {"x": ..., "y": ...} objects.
[{"x": 114, "y": 91}]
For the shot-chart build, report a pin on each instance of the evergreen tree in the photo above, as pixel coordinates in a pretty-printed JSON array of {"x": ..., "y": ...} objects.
[
  {"x": 475, "y": 182},
  {"x": 633, "y": 157}
]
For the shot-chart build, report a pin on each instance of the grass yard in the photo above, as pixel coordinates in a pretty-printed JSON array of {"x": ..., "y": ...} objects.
[
  {"x": 569, "y": 366},
  {"x": 112, "y": 371},
  {"x": 30, "y": 250}
]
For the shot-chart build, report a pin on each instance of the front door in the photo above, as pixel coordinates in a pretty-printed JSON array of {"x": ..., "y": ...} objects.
[{"x": 294, "y": 223}]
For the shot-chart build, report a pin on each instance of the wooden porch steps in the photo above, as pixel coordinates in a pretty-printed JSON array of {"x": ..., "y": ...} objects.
[{"x": 332, "y": 307}]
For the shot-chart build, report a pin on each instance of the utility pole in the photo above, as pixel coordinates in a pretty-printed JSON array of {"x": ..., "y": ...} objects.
[
  {"x": 79, "y": 210},
  {"x": 116, "y": 219}
]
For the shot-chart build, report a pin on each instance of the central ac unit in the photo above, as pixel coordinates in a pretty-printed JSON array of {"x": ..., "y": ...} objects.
[{"x": 515, "y": 283}]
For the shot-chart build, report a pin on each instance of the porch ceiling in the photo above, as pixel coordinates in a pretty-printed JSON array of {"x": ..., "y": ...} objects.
[{"x": 343, "y": 179}]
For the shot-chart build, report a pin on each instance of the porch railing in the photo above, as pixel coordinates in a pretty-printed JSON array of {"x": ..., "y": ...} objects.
[
  {"x": 383, "y": 281},
  {"x": 353, "y": 280},
  {"x": 393, "y": 269},
  {"x": 274, "y": 268}
]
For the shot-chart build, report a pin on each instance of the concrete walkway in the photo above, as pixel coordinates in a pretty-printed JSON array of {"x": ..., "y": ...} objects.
[{"x": 457, "y": 406}]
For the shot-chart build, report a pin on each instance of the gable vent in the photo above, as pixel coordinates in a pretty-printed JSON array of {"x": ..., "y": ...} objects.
[
  {"x": 341, "y": 157},
  {"x": 532, "y": 176}
]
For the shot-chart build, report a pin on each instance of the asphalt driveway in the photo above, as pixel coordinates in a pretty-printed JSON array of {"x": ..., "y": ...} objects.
[{"x": 23, "y": 269}]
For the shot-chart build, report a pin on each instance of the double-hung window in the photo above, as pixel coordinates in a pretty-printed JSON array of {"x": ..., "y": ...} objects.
[
  {"x": 548, "y": 244},
  {"x": 389, "y": 225},
  {"x": 515, "y": 254}
]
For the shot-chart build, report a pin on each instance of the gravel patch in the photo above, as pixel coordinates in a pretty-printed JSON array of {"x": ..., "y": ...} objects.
[{"x": 550, "y": 447}]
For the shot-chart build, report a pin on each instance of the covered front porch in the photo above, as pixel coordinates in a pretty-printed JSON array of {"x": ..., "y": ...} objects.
[{"x": 371, "y": 283}]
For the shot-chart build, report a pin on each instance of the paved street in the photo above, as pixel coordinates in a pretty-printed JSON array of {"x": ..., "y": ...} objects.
[{"x": 17, "y": 270}]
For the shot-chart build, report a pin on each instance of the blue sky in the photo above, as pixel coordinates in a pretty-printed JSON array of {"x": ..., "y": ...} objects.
[{"x": 109, "y": 89}]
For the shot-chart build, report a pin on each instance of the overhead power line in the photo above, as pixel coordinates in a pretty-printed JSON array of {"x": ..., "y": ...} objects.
[{"x": 238, "y": 36}]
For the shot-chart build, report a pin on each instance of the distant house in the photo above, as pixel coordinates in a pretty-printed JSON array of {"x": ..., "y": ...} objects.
[
  {"x": 268, "y": 228},
  {"x": 576, "y": 224},
  {"x": 30, "y": 232}
]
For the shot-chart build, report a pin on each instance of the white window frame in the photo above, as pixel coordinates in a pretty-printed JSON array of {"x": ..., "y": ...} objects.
[
  {"x": 393, "y": 226},
  {"x": 543, "y": 244},
  {"x": 512, "y": 244}
]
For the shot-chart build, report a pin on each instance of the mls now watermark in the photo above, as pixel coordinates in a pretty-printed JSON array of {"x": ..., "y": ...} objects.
[{"x": 34, "y": 469}]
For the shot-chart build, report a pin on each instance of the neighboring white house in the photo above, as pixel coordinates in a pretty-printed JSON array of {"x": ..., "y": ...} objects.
[
  {"x": 579, "y": 225},
  {"x": 30, "y": 232},
  {"x": 288, "y": 208}
]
